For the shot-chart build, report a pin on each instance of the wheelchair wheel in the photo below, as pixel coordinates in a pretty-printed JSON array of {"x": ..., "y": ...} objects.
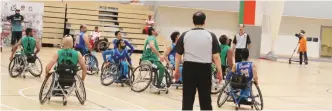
[
  {"x": 16, "y": 65},
  {"x": 38, "y": 70},
  {"x": 168, "y": 79},
  {"x": 80, "y": 90},
  {"x": 92, "y": 64},
  {"x": 142, "y": 73},
  {"x": 110, "y": 72},
  {"x": 257, "y": 98},
  {"x": 43, "y": 96},
  {"x": 215, "y": 89},
  {"x": 223, "y": 92},
  {"x": 102, "y": 45}
]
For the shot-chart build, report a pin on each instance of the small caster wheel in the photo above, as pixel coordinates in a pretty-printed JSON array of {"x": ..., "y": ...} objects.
[
  {"x": 177, "y": 87},
  {"x": 49, "y": 98},
  {"x": 158, "y": 92},
  {"x": 236, "y": 108},
  {"x": 167, "y": 92},
  {"x": 65, "y": 103},
  {"x": 122, "y": 85},
  {"x": 252, "y": 107},
  {"x": 24, "y": 76}
]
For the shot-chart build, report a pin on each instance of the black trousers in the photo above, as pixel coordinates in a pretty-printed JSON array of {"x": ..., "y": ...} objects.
[
  {"x": 196, "y": 76},
  {"x": 305, "y": 58},
  {"x": 238, "y": 55},
  {"x": 16, "y": 36}
]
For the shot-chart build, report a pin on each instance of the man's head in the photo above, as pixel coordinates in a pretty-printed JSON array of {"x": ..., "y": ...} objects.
[
  {"x": 149, "y": 17},
  {"x": 245, "y": 54},
  {"x": 17, "y": 12},
  {"x": 28, "y": 32},
  {"x": 199, "y": 18},
  {"x": 83, "y": 28},
  {"x": 120, "y": 43},
  {"x": 96, "y": 29},
  {"x": 67, "y": 42},
  {"x": 223, "y": 39},
  {"x": 152, "y": 32},
  {"x": 175, "y": 36},
  {"x": 241, "y": 27},
  {"x": 118, "y": 34}
]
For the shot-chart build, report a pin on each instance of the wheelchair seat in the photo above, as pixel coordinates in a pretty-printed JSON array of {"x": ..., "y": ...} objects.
[
  {"x": 31, "y": 58},
  {"x": 239, "y": 81},
  {"x": 66, "y": 74}
]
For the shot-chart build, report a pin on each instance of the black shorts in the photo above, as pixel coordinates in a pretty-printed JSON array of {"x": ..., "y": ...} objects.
[{"x": 16, "y": 36}]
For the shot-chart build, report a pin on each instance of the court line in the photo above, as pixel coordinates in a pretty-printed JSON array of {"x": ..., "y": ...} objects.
[{"x": 9, "y": 107}]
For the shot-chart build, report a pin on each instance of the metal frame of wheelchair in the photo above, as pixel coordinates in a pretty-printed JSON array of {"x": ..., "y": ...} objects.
[
  {"x": 22, "y": 59},
  {"x": 114, "y": 71},
  {"x": 231, "y": 92},
  {"x": 65, "y": 86},
  {"x": 88, "y": 61},
  {"x": 152, "y": 77}
]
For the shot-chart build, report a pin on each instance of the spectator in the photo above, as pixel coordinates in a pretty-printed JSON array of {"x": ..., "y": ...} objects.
[
  {"x": 149, "y": 23},
  {"x": 16, "y": 21}
]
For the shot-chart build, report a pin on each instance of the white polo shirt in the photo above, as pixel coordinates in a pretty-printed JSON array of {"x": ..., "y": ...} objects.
[{"x": 241, "y": 41}]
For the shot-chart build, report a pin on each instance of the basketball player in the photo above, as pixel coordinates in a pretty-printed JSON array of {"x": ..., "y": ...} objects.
[{"x": 226, "y": 54}]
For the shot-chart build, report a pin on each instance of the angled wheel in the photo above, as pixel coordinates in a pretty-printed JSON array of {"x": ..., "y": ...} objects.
[
  {"x": 109, "y": 74},
  {"x": 141, "y": 78},
  {"x": 80, "y": 90},
  {"x": 168, "y": 79},
  {"x": 131, "y": 77},
  {"x": 216, "y": 87},
  {"x": 46, "y": 88},
  {"x": 36, "y": 68},
  {"x": 102, "y": 45},
  {"x": 16, "y": 66},
  {"x": 257, "y": 97},
  {"x": 92, "y": 64},
  {"x": 223, "y": 95}
]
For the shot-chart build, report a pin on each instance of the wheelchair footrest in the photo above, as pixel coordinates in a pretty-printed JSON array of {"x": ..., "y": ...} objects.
[{"x": 245, "y": 102}]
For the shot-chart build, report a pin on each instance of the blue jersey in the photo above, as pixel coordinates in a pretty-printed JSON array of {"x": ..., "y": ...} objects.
[
  {"x": 245, "y": 68},
  {"x": 127, "y": 44},
  {"x": 81, "y": 42},
  {"x": 171, "y": 55},
  {"x": 119, "y": 56}
]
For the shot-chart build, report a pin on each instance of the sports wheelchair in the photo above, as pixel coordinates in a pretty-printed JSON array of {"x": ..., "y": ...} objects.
[
  {"x": 92, "y": 64},
  {"x": 149, "y": 76},
  {"x": 113, "y": 72},
  {"x": 62, "y": 83},
  {"x": 22, "y": 63},
  {"x": 232, "y": 90}
]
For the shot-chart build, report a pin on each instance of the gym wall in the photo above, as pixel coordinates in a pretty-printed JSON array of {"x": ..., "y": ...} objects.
[
  {"x": 286, "y": 42},
  {"x": 169, "y": 19}
]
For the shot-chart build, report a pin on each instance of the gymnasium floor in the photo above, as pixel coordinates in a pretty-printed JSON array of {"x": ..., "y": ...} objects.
[{"x": 284, "y": 87}]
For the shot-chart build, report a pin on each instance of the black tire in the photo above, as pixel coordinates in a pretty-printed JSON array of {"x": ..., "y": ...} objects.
[
  {"x": 41, "y": 69},
  {"x": 168, "y": 79},
  {"x": 214, "y": 90},
  {"x": 114, "y": 72},
  {"x": 80, "y": 98},
  {"x": 261, "y": 99},
  {"x": 89, "y": 72},
  {"x": 14, "y": 61},
  {"x": 102, "y": 45},
  {"x": 131, "y": 77},
  {"x": 223, "y": 89},
  {"x": 135, "y": 77},
  {"x": 41, "y": 98}
]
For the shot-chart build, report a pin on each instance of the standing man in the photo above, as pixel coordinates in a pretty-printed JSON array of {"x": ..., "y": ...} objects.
[
  {"x": 241, "y": 41},
  {"x": 199, "y": 47},
  {"x": 303, "y": 48},
  {"x": 83, "y": 45},
  {"x": 16, "y": 21}
]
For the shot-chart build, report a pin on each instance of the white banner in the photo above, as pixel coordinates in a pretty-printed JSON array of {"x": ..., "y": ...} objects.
[{"x": 32, "y": 13}]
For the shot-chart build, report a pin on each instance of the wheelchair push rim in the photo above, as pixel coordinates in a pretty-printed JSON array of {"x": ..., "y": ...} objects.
[
  {"x": 109, "y": 71},
  {"x": 16, "y": 61},
  {"x": 44, "y": 96},
  {"x": 223, "y": 91},
  {"x": 138, "y": 78},
  {"x": 257, "y": 104},
  {"x": 95, "y": 69},
  {"x": 36, "y": 74},
  {"x": 81, "y": 96}
]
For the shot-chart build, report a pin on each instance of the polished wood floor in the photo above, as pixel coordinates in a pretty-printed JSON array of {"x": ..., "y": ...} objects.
[{"x": 284, "y": 87}]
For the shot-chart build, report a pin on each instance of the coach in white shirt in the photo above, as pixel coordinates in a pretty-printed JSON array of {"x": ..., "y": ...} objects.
[
  {"x": 95, "y": 34},
  {"x": 241, "y": 41}
]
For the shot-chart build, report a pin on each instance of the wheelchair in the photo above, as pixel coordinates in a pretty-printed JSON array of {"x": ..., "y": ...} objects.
[
  {"x": 92, "y": 64},
  {"x": 24, "y": 63},
  {"x": 148, "y": 72},
  {"x": 101, "y": 44},
  {"x": 112, "y": 72},
  {"x": 232, "y": 87},
  {"x": 62, "y": 83},
  {"x": 170, "y": 70}
]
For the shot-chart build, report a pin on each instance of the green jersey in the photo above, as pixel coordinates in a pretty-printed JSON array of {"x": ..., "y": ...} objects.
[
  {"x": 28, "y": 44},
  {"x": 147, "y": 51},
  {"x": 223, "y": 54},
  {"x": 67, "y": 57}
]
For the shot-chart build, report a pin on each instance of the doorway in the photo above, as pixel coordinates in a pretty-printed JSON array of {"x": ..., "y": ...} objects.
[{"x": 326, "y": 41}]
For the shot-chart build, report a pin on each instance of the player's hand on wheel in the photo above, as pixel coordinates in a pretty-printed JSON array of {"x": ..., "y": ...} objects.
[
  {"x": 219, "y": 76},
  {"x": 176, "y": 74},
  {"x": 162, "y": 58}
]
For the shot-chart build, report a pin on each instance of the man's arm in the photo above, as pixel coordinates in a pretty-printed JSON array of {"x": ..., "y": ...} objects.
[
  {"x": 10, "y": 17},
  {"x": 248, "y": 41},
  {"x": 255, "y": 74},
  {"x": 215, "y": 52},
  {"x": 130, "y": 46},
  {"x": 234, "y": 43},
  {"x": 128, "y": 58},
  {"x": 179, "y": 48},
  {"x": 38, "y": 47},
  {"x": 168, "y": 50},
  {"x": 82, "y": 64},
  {"x": 230, "y": 58},
  {"x": 51, "y": 63},
  {"x": 15, "y": 47},
  {"x": 153, "y": 48}
]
